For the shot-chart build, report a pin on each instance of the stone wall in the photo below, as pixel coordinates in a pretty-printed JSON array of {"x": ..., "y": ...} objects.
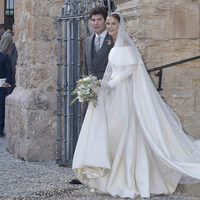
[
  {"x": 165, "y": 32},
  {"x": 1, "y": 11},
  {"x": 31, "y": 108}
]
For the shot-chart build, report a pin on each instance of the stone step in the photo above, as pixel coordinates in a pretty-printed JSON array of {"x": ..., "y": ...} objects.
[{"x": 189, "y": 189}]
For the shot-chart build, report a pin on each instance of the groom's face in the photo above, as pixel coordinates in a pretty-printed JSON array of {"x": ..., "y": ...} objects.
[{"x": 98, "y": 23}]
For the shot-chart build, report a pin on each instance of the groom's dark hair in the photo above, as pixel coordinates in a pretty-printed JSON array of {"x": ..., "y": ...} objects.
[
  {"x": 116, "y": 16},
  {"x": 99, "y": 11}
]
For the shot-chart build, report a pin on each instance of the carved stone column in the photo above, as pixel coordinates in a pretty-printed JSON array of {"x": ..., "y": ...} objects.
[
  {"x": 30, "y": 109},
  {"x": 2, "y": 11}
]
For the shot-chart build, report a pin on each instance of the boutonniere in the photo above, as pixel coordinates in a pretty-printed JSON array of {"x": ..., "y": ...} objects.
[{"x": 109, "y": 42}]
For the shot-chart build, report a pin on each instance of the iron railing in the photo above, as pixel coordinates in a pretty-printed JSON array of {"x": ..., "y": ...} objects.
[{"x": 160, "y": 69}]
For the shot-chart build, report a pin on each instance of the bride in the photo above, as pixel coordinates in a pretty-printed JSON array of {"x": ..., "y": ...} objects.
[{"x": 132, "y": 143}]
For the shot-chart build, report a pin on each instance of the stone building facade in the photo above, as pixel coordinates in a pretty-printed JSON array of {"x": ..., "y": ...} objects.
[
  {"x": 1, "y": 11},
  {"x": 165, "y": 31},
  {"x": 7, "y": 12}
]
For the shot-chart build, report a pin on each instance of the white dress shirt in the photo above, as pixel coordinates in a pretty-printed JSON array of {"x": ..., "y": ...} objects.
[{"x": 102, "y": 37}]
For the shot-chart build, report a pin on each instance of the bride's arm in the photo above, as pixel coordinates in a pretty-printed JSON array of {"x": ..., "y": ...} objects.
[{"x": 128, "y": 71}]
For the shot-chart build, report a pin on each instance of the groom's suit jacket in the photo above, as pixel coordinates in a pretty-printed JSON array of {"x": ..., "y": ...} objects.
[{"x": 96, "y": 62}]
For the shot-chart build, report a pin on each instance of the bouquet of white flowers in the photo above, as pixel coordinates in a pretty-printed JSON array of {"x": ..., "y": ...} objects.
[{"x": 87, "y": 89}]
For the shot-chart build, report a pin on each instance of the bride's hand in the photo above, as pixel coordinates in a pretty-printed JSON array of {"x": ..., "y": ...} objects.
[
  {"x": 105, "y": 85},
  {"x": 95, "y": 89}
]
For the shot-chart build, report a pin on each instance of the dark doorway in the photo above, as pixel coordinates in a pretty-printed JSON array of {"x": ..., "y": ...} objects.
[{"x": 9, "y": 13}]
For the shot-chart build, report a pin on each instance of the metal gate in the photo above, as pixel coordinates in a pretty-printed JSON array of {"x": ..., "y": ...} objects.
[{"x": 72, "y": 30}]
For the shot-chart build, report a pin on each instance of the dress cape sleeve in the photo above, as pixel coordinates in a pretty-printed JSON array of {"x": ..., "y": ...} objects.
[{"x": 123, "y": 56}]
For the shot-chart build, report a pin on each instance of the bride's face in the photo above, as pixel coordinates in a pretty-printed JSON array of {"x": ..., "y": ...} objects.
[{"x": 112, "y": 25}]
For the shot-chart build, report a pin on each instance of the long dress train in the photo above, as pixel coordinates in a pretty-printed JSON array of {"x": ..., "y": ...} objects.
[{"x": 132, "y": 143}]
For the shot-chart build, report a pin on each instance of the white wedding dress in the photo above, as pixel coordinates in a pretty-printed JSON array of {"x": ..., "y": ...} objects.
[{"x": 132, "y": 143}]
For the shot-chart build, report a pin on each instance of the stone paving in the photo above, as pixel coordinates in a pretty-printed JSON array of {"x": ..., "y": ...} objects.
[{"x": 21, "y": 180}]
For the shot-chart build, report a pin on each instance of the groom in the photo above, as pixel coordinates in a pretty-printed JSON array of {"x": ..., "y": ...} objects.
[{"x": 98, "y": 46}]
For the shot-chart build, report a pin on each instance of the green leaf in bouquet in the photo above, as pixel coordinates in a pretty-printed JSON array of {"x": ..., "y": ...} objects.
[{"x": 73, "y": 101}]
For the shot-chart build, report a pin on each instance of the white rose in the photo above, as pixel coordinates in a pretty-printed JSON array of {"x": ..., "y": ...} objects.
[
  {"x": 86, "y": 79},
  {"x": 80, "y": 99}
]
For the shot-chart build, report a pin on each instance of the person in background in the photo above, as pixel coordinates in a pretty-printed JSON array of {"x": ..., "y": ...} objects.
[
  {"x": 5, "y": 82},
  {"x": 13, "y": 62},
  {"x": 6, "y": 42}
]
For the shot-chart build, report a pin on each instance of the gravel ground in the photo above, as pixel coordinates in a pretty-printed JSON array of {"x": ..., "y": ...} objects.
[{"x": 21, "y": 180}]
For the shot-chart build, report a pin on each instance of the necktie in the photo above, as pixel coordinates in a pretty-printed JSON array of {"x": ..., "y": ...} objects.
[{"x": 98, "y": 43}]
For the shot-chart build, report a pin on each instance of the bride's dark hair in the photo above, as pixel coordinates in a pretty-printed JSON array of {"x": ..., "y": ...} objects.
[{"x": 116, "y": 16}]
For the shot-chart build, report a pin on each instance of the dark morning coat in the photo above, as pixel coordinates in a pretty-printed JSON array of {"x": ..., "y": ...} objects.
[
  {"x": 96, "y": 62},
  {"x": 5, "y": 68},
  {"x": 5, "y": 72}
]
